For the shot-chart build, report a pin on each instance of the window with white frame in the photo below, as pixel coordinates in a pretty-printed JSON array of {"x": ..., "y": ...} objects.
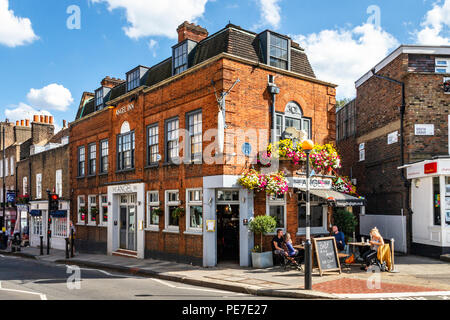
[
  {"x": 172, "y": 135},
  {"x": 81, "y": 209},
  {"x": 442, "y": 65},
  {"x": 195, "y": 135},
  {"x": 59, "y": 227},
  {"x": 276, "y": 208},
  {"x": 59, "y": 186},
  {"x": 152, "y": 213},
  {"x": 125, "y": 151},
  {"x": 92, "y": 158},
  {"x": 172, "y": 202},
  {"x": 25, "y": 185},
  {"x": 194, "y": 210},
  {"x": 36, "y": 223},
  {"x": 39, "y": 186},
  {"x": 99, "y": 99},
  {"x": 152, "y": 144},
  {"x": 104, "y": 209},
  {"x": 93, "y": 210},
  {"x": 81, "y": 161},
  {"x": 318, "y": 217},
  {"x": 12, "y": 165},
  {"x": 104, "y": 154},
  {"x": 292, "y": 117}
]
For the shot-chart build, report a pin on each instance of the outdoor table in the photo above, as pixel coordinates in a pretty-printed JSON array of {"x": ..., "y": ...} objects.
[
  {"x": 358, "y": 244},
  {"x": 299, "y": 247}
]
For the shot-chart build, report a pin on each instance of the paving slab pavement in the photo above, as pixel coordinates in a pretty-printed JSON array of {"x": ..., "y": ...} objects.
[{"x": 415, "y": 274}]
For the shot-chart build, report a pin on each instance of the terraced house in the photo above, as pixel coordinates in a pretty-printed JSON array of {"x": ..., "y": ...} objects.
[{"x": 173, "y": 136}]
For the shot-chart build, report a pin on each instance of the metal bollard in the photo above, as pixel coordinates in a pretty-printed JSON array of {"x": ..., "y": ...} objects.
[
  {"x": 67, "y": 248},
  {"x": 392, "y": 251},
  {"x": 71, "y": 244},
  {"x": 42, "y": 246}
]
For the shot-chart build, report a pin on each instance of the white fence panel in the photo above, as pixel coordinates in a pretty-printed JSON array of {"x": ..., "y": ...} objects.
[{"x": 389, "y": 227}]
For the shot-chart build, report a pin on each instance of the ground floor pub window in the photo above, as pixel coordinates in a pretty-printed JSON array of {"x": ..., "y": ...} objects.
[
  {"x": 172, "y": 202},
  {"x": 194, "y": 210},
  {"x": 152, "y": 210},
  {"x": 93, "y": 211},
  {"x": 81, "y": 210},
  {"x": 104, "y": 209},
  {"x": 276, "y": 207},
  {"x": 318, "y": 218}
]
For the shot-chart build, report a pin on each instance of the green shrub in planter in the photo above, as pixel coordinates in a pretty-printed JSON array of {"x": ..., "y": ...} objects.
[{"x": 262, "y": 225}]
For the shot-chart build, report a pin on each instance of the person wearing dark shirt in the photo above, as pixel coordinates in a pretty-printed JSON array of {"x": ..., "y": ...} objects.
[
  {"x": 277, "y": 243},
  {"x": 340, "y": 238}
]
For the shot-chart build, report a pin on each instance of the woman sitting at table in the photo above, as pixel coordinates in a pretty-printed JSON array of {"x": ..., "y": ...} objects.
[
  {"x": 375, "y": 242},
  {"x": 292, "y": 252}
]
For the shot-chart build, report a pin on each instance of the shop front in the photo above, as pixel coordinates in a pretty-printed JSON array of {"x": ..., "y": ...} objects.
[
  {"x": 430, "y": 203},
  {"x": 59, "y": 226}
]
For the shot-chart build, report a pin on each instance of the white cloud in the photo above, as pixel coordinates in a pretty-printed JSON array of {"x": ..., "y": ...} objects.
[
  {"x": 153, "y": 45},
  {"x": 14, "y": 31},
  {"x": 434, "y": 26},
  {"x": 158, "y": 18},
  {"x": 53, "y": 97},
  {"x": 270, "y": 13},
  {"x": 343, "y": 56}
]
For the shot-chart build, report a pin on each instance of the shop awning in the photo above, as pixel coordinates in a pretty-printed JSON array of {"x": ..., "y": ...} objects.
[
  {"x": 35, "y": 213},
  {"x": 339, "y": 199},
  {"x": 58, "y": 213}
]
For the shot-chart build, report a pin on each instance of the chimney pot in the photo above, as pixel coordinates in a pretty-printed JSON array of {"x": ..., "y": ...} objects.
[
  {"x": 27, "y": 123},
  {"x": 50, "y": 120},
  {"x": 64, "y": 123},
  {"x": 17, "y": 123},
  {"x": 46, "y": 119},
  {"x": 22, "y": 123},
  {"x": 35, "y": 118},
  {"x": 41, "y": 118}
]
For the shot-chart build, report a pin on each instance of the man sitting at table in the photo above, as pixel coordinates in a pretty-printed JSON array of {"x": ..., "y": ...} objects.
[
  {"x": 277, "y": 244},
  {"x": 340, "y": 238}
]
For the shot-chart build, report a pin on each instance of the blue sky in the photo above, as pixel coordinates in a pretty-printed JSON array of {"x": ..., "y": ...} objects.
[{"x": 46, "y": 66}]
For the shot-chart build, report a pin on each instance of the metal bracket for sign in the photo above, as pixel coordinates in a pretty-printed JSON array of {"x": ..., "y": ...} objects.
[{"x": 221, "y": 99}]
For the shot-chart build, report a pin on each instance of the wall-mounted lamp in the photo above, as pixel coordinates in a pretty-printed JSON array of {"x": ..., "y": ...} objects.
[
  {"x": 417, "y": 183},
  {"x": 139, "y": 203},
  {"x": 210, "y": 200}
]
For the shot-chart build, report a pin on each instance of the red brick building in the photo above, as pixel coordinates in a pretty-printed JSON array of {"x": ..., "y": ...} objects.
[
  {"x": 379, "y": 140},
  {"x": 130, "y": 153}
]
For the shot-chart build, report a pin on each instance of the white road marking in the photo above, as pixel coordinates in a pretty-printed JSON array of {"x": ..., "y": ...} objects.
[
  {"x": 41, "y": 295},
  {"x": 2, "y": 256},
  {"x": 199, "y": 289},
  {"x": 393, "y": 295}
]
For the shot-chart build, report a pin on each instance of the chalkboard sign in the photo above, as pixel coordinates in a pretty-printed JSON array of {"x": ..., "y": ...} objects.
[{"x": 327, "y": 254}]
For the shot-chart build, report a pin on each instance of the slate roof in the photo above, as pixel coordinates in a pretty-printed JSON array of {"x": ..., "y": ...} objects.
[{"x": 232, "y": 39}]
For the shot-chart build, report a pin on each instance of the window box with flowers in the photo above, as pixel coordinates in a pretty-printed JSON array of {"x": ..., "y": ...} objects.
[
  {"x": 23, "y": 199},
  {"x": 94, "y": 213},
  {"x": 177, "y": 213}
]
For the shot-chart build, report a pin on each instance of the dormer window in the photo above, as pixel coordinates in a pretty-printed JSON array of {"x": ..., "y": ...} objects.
[
  {"x": 180, "y": 58},
  {"x": 278, "y": 53},
  {"x": 99, "y": 99},
  {"x": 133, "y": 79},
  {"x": 275, "y": 50}
]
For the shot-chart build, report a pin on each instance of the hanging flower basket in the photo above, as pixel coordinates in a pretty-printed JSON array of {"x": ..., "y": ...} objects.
[
  {"x": 178, "y": 212},
  {"x": 83, "y": 212},
  {"x": 273, "y": 183}
]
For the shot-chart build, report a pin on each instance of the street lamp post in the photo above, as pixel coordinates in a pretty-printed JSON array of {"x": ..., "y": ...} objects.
[{"x": 307, "y": 146}]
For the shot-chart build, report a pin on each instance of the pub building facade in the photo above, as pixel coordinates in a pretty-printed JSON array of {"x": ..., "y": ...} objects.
[{"x": 133, "y": 166}]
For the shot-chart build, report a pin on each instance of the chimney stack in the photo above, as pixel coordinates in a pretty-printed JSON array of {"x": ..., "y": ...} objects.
[
  {"x": 109, "y": 82},
  {"x": 191, "y": 31}
]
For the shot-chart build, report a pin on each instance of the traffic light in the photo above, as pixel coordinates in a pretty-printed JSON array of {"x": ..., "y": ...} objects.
[{"x": 53, "y": 202}]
